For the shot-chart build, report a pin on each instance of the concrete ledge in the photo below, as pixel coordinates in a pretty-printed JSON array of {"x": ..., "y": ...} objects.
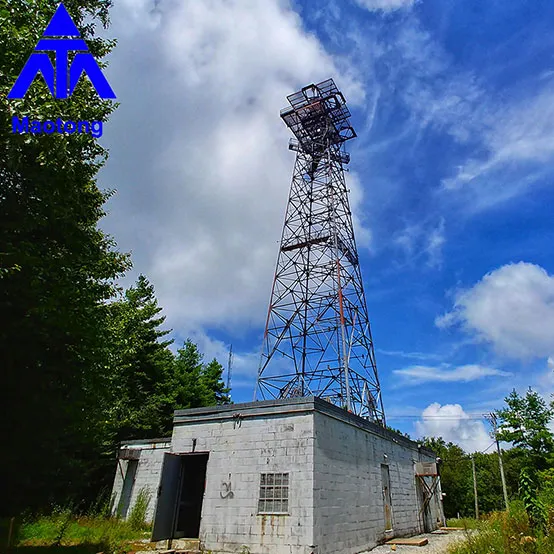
[{"x": 145, "y": 441}]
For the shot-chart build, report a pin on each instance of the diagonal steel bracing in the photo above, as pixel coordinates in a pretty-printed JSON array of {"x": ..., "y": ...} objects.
[{"x": 317, "y": 339}]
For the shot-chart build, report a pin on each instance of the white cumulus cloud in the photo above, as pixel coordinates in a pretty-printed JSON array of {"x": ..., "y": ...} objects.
[
  {"x": 511, "y": 308},
  {"x": 453, "y": 424},
  {"x": 198, "y": 152}
]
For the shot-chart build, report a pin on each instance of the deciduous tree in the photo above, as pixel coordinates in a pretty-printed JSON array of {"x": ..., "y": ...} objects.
[{"x": 57, "y": 271}]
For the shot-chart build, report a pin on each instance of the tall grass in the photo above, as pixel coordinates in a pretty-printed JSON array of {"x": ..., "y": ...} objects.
[
  {"x": 109, "y": 535},
  {"x": 506, "y": 533},
  {"x": 137, "y": 517},
  {"x": 465, "y": 522}
]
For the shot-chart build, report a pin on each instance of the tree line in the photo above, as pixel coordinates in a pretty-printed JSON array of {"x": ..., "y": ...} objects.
[
  {"x": 83, "y": 364},
  {"x": 525, "y": 425}
]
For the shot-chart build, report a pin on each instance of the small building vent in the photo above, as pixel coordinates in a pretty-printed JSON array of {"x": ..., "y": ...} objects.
[{"x": 426, "y": 469}]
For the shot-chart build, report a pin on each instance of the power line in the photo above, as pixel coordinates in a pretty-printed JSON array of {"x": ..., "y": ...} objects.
[
  {"x": 426, "y": 417},
  {"x": 491, "y": 444}
]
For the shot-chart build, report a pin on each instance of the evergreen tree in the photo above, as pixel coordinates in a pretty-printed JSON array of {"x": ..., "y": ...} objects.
[
  {"x": 142, "y": 365},
  {"x": 197, "y": 384},
  {"x": 212, "y": 377}
]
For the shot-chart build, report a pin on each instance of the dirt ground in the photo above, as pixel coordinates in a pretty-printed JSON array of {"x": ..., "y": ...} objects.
[{"x": 438, "y": 544}]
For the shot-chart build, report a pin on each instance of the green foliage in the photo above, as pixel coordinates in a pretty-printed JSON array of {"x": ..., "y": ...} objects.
[
  {"x": 536, "y": 510},
  {"x": 102, "y": 506},
  {"x": 148, "y": 381},
  {"x": 524, "y": 423},
  {"x": 505, "y": 533},
  {"x": 62, "y": 517},
  {"x": 43, "y": 531},
  {"x": 57, "y": 271},
  {"x": 137, "y": 517},
  {"x": 489, "y": 482},
  {"x": 394, "y": 430},
  {"x": 546, "y": 491},
  {"x": 465, "y": 522},
  {"x": 195, "y": 384},
  {"x": 142, "y": 365},
  {"x": 83, "y": 366}
]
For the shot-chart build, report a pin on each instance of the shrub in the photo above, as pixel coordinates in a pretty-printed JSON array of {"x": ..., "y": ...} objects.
[
  {"x": 508, "y": 532},
  {"x": 62, "y": 518},
  {"x": 536, "y": 509},
  {"x": 137, "y": 517}
]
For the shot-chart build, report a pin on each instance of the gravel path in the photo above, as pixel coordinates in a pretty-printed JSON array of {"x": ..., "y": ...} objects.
[{"x": 438, "y": 544}]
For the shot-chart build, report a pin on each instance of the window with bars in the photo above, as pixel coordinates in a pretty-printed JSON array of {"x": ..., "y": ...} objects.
[{"x": 274, "y": 493}]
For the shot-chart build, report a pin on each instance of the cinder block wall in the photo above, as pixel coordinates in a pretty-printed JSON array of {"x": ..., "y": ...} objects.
[
  {"x": 267, "y": 438},
  {"x": 334, "y": 463},
  {"x": 148, "y": 473},
  {"x": 348, "y": 498}
]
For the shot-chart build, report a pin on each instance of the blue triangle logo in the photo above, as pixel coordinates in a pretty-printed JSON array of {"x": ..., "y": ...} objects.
[{"x": 61, "y": 25}]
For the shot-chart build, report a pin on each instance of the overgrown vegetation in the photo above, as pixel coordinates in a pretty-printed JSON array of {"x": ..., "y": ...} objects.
[
  {"x": 524, "y": 422},
  {"x": 137, "y": 517},
  {"x": 58, "y": 530},
  {"x": 463, "y": 522},
  {"x": 528, "y": 525},
  {"x": 510, "y": 532}
]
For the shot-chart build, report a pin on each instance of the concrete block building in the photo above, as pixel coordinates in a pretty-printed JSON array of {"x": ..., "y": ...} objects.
[{"x": 291, "y": 476}]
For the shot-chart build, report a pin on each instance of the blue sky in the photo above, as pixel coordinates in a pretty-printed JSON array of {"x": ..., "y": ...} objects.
[{"x": 451, "y": 182}]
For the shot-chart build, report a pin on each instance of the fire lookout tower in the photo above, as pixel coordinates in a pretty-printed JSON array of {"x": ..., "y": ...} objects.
[{"x": 317, "y": 339}]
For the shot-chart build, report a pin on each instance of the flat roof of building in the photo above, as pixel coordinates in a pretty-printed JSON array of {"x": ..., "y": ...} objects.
[{"x": 288, "y": 406}]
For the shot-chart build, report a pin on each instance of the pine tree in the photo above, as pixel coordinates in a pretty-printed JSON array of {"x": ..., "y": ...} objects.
[
  {"x": 143, "y": 365},
  {"x": 198, "y": 384}
]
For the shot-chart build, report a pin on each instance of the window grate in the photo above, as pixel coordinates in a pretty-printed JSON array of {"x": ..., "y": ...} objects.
[{"x": 274, "y": 493}]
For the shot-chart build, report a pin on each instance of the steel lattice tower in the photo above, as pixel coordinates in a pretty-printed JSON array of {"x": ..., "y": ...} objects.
[{"x": 317, "y": 339}]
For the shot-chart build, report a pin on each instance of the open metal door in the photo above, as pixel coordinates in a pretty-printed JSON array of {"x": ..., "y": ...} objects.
[{"x": 168, "y": 491}]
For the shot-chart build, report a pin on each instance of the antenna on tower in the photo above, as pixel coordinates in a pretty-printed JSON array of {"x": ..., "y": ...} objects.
[
  {"x": 317, "y": 318},
  {"x": 229, "y": 366}
]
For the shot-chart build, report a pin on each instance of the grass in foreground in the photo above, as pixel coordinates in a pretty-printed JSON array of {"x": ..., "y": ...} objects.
[
  {"x": 127, "y": 548},
  {"x": 505, "y": 533},
  {"x": 67, "y": 534},
  {"x": 465, "y": 522}
]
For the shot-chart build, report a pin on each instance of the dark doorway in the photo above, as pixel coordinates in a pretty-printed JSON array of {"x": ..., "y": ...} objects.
[
  {"x": 191, "y": 495},
  {"x": 180, "y": 496}
]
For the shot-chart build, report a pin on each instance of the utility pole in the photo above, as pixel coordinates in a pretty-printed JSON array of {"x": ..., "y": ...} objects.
[
  {"x": 475, "y": 487},
  {"x": 492, "y": 419}
]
